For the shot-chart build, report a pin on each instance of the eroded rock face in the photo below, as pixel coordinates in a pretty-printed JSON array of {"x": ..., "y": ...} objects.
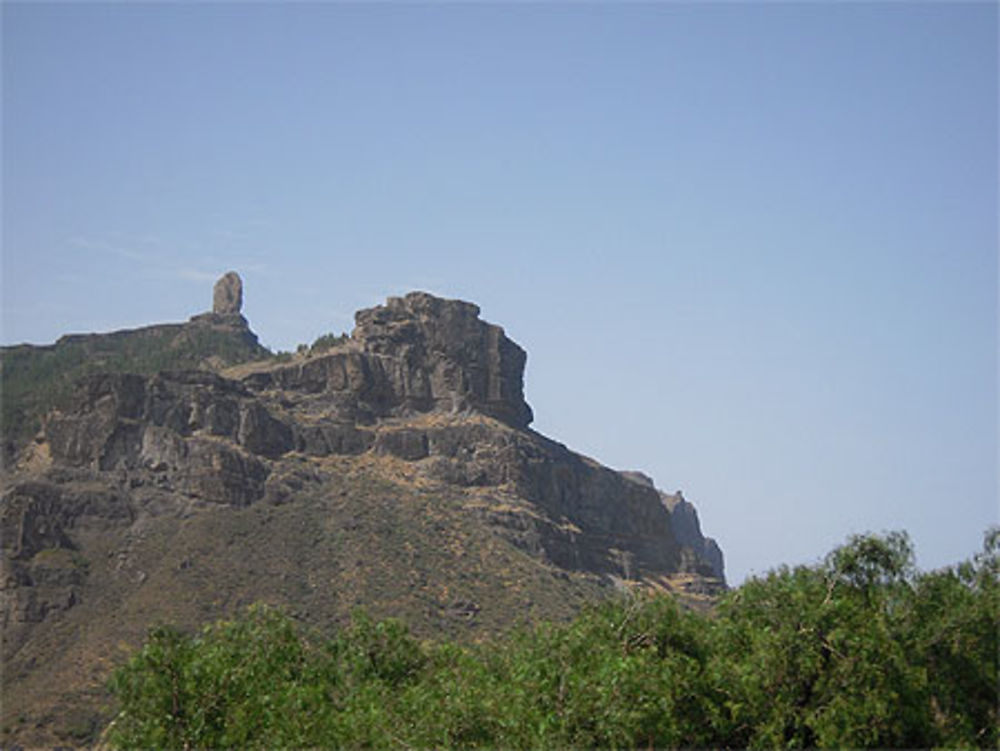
[
  {"x": 413, "y": 355},
  {"x": 441, "y": 356},
  {"x": 44, "y": 571},
  {"x": 192, "y": 431},
  {"x": 227, "y": 296},
  {"x": 687, "y": 529},
  {"x": 215, "y": 439}
]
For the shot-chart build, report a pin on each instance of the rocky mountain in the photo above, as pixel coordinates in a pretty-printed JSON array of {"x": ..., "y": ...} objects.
[{"x": 395, "y": 470}]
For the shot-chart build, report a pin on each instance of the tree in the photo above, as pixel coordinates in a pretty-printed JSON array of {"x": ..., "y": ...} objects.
[
  {"x": 244, "y": 683},
  {"x": 950, "y": 627}
]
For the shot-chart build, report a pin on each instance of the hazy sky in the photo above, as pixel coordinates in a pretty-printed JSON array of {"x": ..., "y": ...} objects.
[{"x": 751, "y": 249}]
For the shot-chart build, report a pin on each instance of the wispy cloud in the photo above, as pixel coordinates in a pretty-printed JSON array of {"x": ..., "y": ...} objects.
[
  {"x": 194, "y": 275},
  {"x": 116, "y": 249},
  {"x": 157, "y": 257}
]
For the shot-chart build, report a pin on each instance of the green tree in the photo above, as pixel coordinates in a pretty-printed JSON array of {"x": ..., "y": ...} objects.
[
  {"x": 153, "y": 693},
  {"x": 951, "y": 625},
  {"x": 860, "y": 651},
  {"x": 245, "y": 683}
]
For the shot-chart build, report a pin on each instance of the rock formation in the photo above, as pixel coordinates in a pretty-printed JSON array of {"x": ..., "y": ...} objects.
[
  {"x": 395, "y": 470},
  {"x": 227, "y": 296},
  {"x": 687, "y": 531},
  {"x": 703, "y": 553},
  {"x": 225, "y": 316},
  {"x": 416, "y": 354}
]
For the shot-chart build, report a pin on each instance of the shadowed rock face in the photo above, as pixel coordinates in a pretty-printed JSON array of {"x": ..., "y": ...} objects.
[
  {"x": 200, "y": 434},
  {"x": 687, "y": 529},
  {"x": 702, "y": 553},
  {"x": 394, "y": 471}
]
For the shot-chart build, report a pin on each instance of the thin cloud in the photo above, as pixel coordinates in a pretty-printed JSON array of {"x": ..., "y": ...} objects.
[
  {"x": 194, "y": 275},
  {"x": 161, "y": 263},
  {"x": 103, "y": 246}
]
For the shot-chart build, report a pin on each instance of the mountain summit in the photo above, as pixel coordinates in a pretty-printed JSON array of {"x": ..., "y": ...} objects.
[{"x": 393, "y": 469}]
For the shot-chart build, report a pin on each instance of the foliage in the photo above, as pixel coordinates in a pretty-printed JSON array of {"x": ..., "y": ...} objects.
[
  {"x": 860, "y": 650},
  {"x": 813, "y": 656},
  {"x": 327, "y": 341}
]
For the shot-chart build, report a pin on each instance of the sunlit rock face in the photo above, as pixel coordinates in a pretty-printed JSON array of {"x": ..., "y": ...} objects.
[{"x": 227, "y": 296}]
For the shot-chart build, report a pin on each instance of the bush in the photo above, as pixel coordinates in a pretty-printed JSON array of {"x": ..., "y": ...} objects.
[{"x": 327, "y": 341}]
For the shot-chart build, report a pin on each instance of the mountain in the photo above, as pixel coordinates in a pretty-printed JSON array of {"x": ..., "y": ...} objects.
[{"x": 394, "y": 469}]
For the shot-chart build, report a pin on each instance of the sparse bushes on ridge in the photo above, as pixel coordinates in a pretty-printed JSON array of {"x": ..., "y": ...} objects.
[
  {"x": 322, "y": 344},
  {"x": 327, "y": 341},
  {"x": 861, "y": 650}
]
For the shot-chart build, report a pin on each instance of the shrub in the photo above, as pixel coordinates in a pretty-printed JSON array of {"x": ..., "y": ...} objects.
[{"x": 327, "y": 341}]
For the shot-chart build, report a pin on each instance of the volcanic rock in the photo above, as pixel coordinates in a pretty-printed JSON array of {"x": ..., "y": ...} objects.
[
  {"x": 227, "y": 296},
  {"x": 416, "y": 354},
  {"x": 687, "y": 530}
]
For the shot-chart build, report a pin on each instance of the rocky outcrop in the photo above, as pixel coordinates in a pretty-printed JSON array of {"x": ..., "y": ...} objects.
[
  {"x": 570, "y": 512},
  {"x": 34, "y": 379},
  {"x": 443, "y": 357},
  {"x": 216, "y": 439},
  {"x": 415, "y": 354},
  {"x": 41, "y": 523},
  {"x": 687, "y": 530},
  {"x": 227, "y": 296},
  {"x": 225, "y": 316},
  {"x": 193, "y": 432},
  {"x": 700, "y": 554}
]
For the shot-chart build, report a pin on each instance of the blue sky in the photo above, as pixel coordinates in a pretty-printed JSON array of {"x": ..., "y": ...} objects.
[{"x": 751, "y": 249}]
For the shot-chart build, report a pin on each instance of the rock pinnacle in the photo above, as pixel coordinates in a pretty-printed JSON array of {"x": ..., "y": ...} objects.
[{"x": 227, "y": 296}]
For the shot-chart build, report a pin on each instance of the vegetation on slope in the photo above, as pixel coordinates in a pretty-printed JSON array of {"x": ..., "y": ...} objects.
[{"x": 860, "y": 650}]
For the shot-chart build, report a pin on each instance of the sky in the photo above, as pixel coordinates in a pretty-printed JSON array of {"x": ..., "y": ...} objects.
[{"x": 750, "y": 248}]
